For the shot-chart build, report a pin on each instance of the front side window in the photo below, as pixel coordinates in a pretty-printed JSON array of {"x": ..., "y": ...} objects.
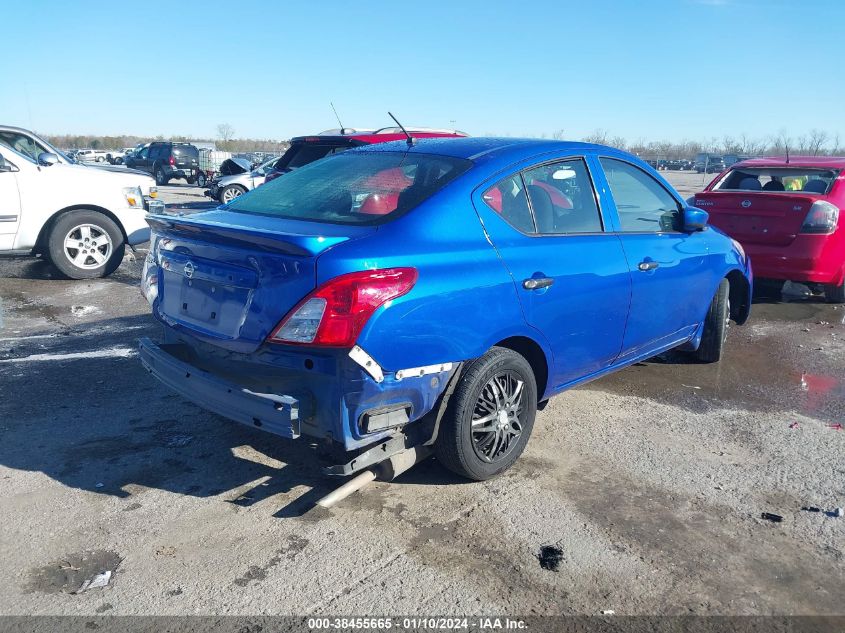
[
  {"x": 776, "y": 179},
  {"x": 643, "y": 204},
  {"x": 354, "y": 188},
  {"x": 507, "y": 198},
  {"x": 562, "y": 199},
  {"x": 23, "y": 145}
]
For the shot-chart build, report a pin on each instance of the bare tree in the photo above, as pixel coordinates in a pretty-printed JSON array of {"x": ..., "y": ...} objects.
[
  {"x": 225, "y": 132},
  {"x": 559, "y": 135},
  {"x": 618, "y": 142},
  {"x": 816, "y": 140},
  {"x": 599, "y": 137}
]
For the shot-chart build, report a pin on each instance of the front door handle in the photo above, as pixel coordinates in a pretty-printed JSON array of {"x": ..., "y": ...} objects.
[
  {"x": 647, "y": 265},
  {"x": 537, "y": 283}
]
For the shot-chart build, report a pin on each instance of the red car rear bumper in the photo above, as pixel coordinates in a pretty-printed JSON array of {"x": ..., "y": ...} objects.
[{"x": 809, "y": 258}]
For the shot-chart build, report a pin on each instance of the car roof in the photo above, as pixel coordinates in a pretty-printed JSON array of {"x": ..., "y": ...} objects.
[
  {"x": 383, "y": 135},
  {"x": 486, "y": 149},
  {"x": 825, "y": 162}
]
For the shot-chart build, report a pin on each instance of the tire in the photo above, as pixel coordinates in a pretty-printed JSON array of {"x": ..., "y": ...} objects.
[
  {"x": 158, "y": 174},
  {"x": 99, "y": 159},
  {"x": 476, "y": 454},
  {"x": 118, "y": 161},
  {"x": 202, "y": 180},
  {"x": 106, "y": 245},
  {"x": 715, "y": 326},
  {"x": 191, "y": 180},
  {"x": 835, "y": 294},
  {"x": 227, "y": 194}
]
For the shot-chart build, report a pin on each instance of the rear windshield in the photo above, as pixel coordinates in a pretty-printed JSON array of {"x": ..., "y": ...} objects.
[
  {"x": 355, "y": 188},
  {"x": 300, "y": 154},
  {"x": 775, "y": 179},
  {"x": 185, "y": 150}
]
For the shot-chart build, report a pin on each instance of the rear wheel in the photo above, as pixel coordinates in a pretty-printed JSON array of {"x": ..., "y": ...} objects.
[
  {"x": 490, "y": 416},
  {"x": 715, "y": 326},
  {"x": 202, "y": 180},
  {"x": 160, "y": 177},
  {"x": 835, "y": 294},
  {"x": 191, "y": 179},
  {"x": 227, "y": 194},
  {"x": 85, "y": 245}
]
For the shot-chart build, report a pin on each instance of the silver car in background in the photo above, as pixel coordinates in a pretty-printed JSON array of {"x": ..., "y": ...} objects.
[{"x": 227, "y": 188}]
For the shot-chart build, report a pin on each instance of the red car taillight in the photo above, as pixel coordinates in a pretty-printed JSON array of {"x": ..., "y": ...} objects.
[
  {"x": 821, "y": 218},
  {"x": 172, "y": 161},
  {"x": 336, "y": 312}
]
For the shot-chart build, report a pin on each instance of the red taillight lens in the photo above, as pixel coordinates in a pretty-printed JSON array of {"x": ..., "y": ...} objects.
[
  {"x": 336, "y": 312},
  {"x": 821, "y": 218},
  {"x": 172, "y": 161}
]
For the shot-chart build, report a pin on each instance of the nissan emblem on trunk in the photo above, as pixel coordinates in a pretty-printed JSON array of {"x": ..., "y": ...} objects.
[
  {"x": 189, "y": 270},
  {"x": 745, "y": 205}
]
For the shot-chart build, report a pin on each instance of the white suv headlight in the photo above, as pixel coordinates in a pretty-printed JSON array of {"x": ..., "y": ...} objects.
[{"x": 134, "y": 197}]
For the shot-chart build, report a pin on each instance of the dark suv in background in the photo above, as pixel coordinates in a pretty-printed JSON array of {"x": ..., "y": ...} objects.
[{"x": 166, "y": 161}]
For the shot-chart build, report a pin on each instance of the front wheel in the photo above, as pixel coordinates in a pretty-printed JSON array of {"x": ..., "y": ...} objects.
[
  {"x": 715, "y": 326},
  {"x": 230, "y": 193},
  {"x": 86, "y": 245},
  {"x": 835, "y": 294},
  {"x": 490, "y": 416},
  {"x": 202, "y": 180}
]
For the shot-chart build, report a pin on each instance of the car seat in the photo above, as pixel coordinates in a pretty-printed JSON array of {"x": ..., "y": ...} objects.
[
  {"x": 774, "y": 185},
  {"x": 544, "y": 210},
  {"x": 815, "y": 186},
  {"x": 750, "y": 184}
]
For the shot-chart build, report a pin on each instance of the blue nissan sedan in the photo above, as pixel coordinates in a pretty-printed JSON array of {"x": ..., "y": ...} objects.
[{"x": 434, "y": 294}]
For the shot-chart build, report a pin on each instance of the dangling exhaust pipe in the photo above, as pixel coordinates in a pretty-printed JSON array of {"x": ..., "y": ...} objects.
[{"x": 387, "y": 470}]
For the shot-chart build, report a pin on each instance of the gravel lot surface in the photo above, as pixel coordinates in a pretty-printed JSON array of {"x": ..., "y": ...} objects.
[{"x": 640, "y": 493}]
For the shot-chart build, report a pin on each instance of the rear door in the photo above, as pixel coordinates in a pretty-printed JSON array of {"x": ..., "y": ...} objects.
[
  {"x": 10, "y": 202},
  {"x": 671, "y": 279},
  {"x": 570, "y": 274},
  {"x": 754, "y": 217}
]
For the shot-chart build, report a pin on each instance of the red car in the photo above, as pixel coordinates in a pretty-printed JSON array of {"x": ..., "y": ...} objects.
[
  {"x": 786, "y": 214},
  {"x": 307, "y": 149}
]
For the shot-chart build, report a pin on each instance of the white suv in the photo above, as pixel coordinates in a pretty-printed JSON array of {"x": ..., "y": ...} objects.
[{"x": 80, "y": 217}]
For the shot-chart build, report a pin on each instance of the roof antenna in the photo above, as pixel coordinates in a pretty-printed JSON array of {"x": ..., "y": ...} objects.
[
  {"x": 410, "y": 138},
  {"x": 338, "y": 118},
  {"x": 787, "y": 153}
]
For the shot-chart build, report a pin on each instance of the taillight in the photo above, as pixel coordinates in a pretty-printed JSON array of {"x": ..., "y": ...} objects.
[
  {"x": 821, "y": 218},
  {"x": 336, "y": 312},
  {"x": 172, "y": 161}
]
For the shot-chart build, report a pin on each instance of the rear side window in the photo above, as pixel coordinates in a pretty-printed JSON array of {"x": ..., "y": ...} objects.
[
  {"x": 643, "y": 204},
  {"x": 507, "y": 198},
  {"x": 561, "y": 196},
  {"x": 356, "y": 188},
  {"x": 777, "y": 179}
]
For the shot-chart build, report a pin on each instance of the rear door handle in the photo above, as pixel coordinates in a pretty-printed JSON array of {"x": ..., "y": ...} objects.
[
  {"x": 647, "y": 265},
  {"x": 537, "y": 283}
]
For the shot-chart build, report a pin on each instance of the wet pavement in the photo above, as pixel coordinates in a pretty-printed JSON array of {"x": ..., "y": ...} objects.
[{"x": 641, "y": 492}]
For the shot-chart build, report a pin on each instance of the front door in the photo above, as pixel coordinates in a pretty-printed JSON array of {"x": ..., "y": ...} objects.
[
  {"x": 669, "y": 269},
  {"x": 571, "y": 276}
]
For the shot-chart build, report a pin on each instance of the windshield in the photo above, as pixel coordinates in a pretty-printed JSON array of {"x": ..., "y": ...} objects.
[
  {"x": 356, "y": 188},
  {"x": 776, "y": 179},
  {"x": 267, "y": 166}
]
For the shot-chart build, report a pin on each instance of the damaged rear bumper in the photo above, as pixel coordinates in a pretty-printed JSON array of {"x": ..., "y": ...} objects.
[{"x": 276, "y": 413}]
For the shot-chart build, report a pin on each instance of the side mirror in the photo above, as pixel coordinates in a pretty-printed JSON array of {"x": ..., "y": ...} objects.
[
  {"x": 695, "y": 219},
  {"x": 47, "y": 158}
]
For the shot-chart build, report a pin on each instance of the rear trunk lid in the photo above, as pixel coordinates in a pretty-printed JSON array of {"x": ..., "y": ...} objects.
[
  {"x": 757, "y": 218},
  {"x": 229, "y": 278}
]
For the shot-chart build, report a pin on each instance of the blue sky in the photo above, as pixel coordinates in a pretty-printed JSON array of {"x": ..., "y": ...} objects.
[{"x": 652, "y": 69}]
